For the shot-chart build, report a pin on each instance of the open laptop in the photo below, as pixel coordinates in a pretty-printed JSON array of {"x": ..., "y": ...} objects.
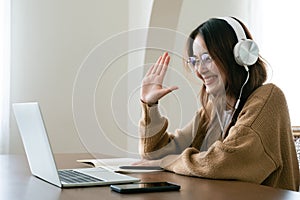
[{"x": 41, "y": 160}]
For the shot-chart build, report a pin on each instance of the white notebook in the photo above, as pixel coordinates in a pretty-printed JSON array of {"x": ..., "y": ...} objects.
[{"x": 121, "y": 165}]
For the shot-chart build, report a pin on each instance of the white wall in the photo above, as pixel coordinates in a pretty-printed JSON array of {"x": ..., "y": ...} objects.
[
  {"x": 139, "y": 20},
  {"x": 277, "y": 36},
  {"x": 60, "y": 49},
  {"x": 50, "y": 40}
]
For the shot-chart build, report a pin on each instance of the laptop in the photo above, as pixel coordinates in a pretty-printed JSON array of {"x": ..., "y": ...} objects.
[{"x": 40, "y": 156}]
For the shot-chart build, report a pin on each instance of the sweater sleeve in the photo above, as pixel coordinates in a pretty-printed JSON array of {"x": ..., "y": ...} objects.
[
  {"x": 155, "y": 141},
  {"x": 239, "y": 157}
]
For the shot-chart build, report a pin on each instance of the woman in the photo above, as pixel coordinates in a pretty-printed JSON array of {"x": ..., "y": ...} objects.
[{"x": 242, "y": 132}]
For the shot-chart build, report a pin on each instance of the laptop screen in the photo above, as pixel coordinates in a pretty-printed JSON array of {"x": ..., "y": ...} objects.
[{"x": 36, "y": 143}]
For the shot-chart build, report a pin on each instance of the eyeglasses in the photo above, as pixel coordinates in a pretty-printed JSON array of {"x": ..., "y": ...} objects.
[{"x": 194, "y": 62}]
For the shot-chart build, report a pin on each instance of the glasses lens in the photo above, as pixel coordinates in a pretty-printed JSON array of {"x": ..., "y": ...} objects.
[
  {"x": 192, "y": 61},
  {"x": 205, "y": 60}
]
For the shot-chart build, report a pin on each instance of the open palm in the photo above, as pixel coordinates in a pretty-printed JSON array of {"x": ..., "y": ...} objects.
[{"x": 152, "y": 89}]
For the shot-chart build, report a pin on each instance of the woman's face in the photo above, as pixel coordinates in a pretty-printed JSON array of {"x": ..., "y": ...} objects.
[{"x": 207, "y": 70}]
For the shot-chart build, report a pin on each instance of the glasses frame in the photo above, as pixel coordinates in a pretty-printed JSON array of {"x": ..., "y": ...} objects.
[{"x": 195, "y": 62}]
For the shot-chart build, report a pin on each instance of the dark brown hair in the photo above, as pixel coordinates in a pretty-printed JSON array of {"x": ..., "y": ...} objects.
[{"x": 220, "y": 40}]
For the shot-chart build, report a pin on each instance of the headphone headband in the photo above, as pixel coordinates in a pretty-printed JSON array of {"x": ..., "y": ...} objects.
[{"x": 238, "y": 29}]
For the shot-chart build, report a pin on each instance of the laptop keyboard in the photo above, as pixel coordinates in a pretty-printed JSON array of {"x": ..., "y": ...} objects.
[{"x": 71, "y": 176}]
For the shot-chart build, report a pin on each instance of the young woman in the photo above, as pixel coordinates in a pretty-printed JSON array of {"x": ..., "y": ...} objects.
[{"x": 242, "y": 132}]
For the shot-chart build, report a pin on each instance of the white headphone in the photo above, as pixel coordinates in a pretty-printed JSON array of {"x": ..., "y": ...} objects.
[{"x": 246, "y": 50}]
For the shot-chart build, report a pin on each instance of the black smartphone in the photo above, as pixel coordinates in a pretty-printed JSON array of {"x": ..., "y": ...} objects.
[{"x": 145, "y": 187}]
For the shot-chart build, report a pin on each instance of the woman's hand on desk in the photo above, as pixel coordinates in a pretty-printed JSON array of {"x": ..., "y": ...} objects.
[
  {"x": 147, "y": 163},
  {"x": 152, "y": 89}
]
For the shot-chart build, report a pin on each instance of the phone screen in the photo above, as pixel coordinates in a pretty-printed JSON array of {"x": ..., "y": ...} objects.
[{"x": 145, "y": 187}]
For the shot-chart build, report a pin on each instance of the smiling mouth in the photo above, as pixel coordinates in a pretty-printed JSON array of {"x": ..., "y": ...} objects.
[{"x": 209, "y": 80}]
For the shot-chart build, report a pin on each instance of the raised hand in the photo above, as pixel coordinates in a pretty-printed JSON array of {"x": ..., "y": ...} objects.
[{"x": 152, "y": 89}]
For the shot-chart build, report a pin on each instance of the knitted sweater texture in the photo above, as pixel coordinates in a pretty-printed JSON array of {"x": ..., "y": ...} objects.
[{"x": 259, "y": 148}]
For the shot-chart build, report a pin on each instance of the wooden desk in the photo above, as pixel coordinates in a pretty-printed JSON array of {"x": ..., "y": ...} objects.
[{"x": 16, "y": 182}]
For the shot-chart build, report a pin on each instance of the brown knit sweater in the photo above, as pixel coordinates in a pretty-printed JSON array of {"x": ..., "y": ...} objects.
[{"x": 258, "y": 149}]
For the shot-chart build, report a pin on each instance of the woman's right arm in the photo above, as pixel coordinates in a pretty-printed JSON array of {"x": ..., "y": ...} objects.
[
  {"x": 152, "y": 125},
  {"x": 156, "y": 142}
]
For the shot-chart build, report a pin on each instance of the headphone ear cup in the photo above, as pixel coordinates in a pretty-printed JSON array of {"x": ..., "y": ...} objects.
[{"x": 246, "y": 52}]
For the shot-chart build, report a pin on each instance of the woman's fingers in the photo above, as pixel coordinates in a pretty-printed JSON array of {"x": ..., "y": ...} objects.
[
  {"x": 153, "y": 67},
  {"x": 165, "y": 91},
  {"x": 164, "y": 67},
  {"x": 157, "y": 64},
  {"x": 152, "y": 89},
  {"x": 163, "y": 63},
  {"x": 140, "y": 162},
  {"x": 147, "y": 163}
]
